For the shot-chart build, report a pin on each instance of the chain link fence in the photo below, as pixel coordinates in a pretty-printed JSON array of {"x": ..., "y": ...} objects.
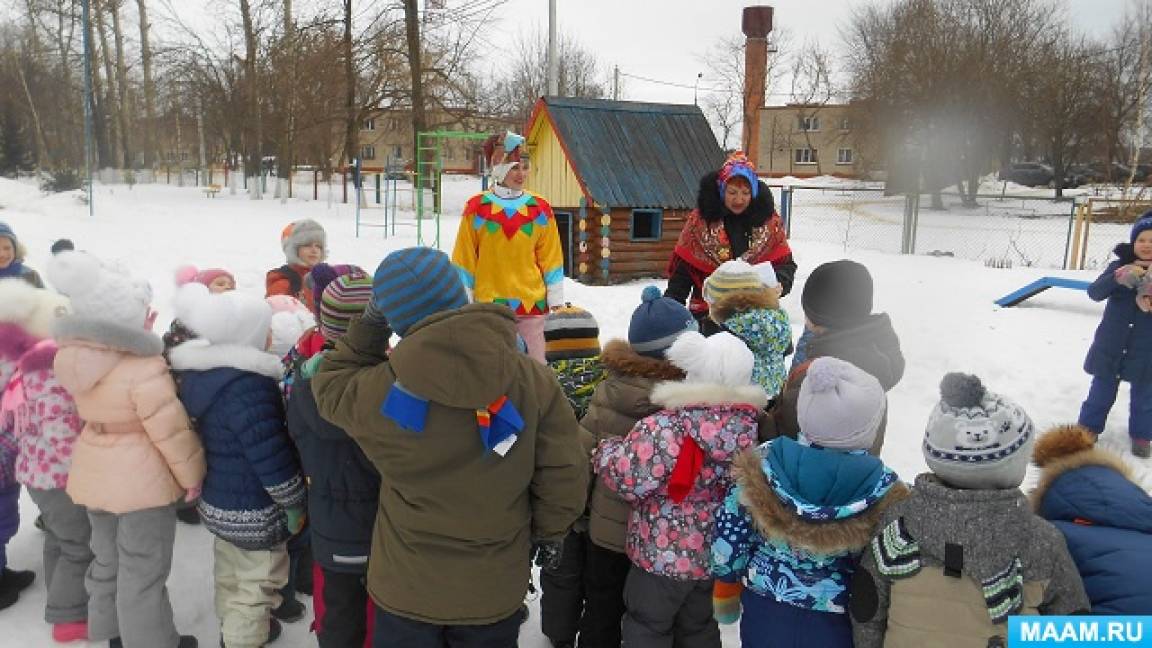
[
  {"x": 1104, "y": 222},
  {"x": 999, "y": 231}
]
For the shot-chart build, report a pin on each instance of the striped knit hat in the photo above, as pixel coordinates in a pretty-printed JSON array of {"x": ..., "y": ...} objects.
[
  {"x": 571, "y": 332},
  {"x": 733, "y": 277},
  {"x": 414, "y": 283},
  {"x": 343, "y": 298}
]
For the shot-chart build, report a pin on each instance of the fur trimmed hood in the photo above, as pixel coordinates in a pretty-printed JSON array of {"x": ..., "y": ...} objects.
[
  {"x": 134, "y": 341},
  {"x": 199, "y": 355},
  {"x": 35, "y": 309},
  {"x": 620, "y": 357},
  {"x": 673, "y": 395},
  {"x": 1067, "y": 447},
  {"x": 740, "y": 302},
  {"x": 774, "y": 520},
  {"x": 710, "y": 203}
]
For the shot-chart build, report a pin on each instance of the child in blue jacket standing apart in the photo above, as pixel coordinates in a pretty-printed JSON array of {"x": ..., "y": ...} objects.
[{"x": 1122, "y": 348}]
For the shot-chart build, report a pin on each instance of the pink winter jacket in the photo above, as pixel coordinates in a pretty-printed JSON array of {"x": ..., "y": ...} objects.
[
  {"x": 44, "y": 418},
  {"x": 137, "y": 449},
  {"x": 665, "y": 537}
]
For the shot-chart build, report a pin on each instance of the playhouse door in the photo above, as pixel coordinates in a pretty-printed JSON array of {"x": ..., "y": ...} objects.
[{"x": 564, "y": 226}]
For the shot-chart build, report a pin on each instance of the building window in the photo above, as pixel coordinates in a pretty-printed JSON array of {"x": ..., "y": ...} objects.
[
  {"x": 646, "y": 225},
  {"x": 844, "y": 156},
  {"x": 367, "y": 152},
  {"x": 368, "y": 124},
  {"x": 392, "y": 124},
  {"x": 845, "y": 124},
  {"x": 398, "y": 152},
  {"x": 809, "y": 124},
  {"x": 805, "y": 156}
]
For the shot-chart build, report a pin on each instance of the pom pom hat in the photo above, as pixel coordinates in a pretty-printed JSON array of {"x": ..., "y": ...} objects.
[
  {"x": 840, "y": 405},
  {"x": 657, "y": 322}
]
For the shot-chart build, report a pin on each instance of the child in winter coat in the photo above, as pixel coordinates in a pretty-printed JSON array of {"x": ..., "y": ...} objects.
[
  {"x": 1122, "y": 348},
  {"x": 217, "y": 280},
  {"x": 304, "y": 244},
  {"x": 136, "y": 455},
  {"x": 800, "y": 513},
  {"x": 745, "y": 301},
  {"x": 43, "y": 416},
  {"x": 673, "y": 467},
  {"x": 839, "y": 323},
  {"x": 477, "y": 445},
  {"x": 343, "y": 486},
  {"x": 12, "y": 255},
  {"x": 253, "y": 498},
  {"x": 618, "y": 403},
  {"x": 964, "y": 550},
  {"x": 1104, "y": 514}
]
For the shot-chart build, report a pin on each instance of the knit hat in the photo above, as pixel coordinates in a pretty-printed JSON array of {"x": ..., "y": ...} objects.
[
  {"x": 302, "y": 232},
  {"x": 414, "y": 283},
  {"x": 32, "y": 309},
  {"x": 733, "y": 277},
  {"x": 840, "y": 405},
  {"x": 231, "y": 317},
  {"x": 1143, "y": 223},
  {"x": 343, "y": 298},
  {"x": 503, "y": 153},
  {"x": 6, "y": 232},
  {"x": 738, "y": 165},
  {"x": 571, "y": 332},
  {"x": 100, "y": 290},
  {"x": 837, "y": 294},
  {"x": 62, "y": 245},
  {"x": 657, "y": 322},
  {"x": 721, "y": 359},
  {"x": 976, "y": 439},
  {"x": 190, "y": 273}
]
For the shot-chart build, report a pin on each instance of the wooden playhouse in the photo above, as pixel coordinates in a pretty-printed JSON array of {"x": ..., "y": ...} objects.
[{"x": 622, "y": 177}]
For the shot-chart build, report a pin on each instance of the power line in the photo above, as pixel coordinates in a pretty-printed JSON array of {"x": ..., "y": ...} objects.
[{"x": 673, "y": 84}]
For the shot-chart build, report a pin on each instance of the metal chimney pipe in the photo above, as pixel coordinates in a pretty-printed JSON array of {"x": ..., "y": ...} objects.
[{"x": 756, "y": 25}]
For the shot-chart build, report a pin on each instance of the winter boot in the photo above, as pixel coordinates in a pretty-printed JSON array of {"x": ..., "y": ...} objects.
[
  {"x": 289, "y": 611},
  {"x": 66, "y": 632},
  {"x": 11, "y": 584},
  {"x": 186, "y": 641},
  {"x": 1142, "y": 448}
]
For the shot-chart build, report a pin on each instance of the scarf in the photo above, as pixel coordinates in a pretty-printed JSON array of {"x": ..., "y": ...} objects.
[
  {"x": 499, "y": 424},
  {"x": 14, "y": 269}
]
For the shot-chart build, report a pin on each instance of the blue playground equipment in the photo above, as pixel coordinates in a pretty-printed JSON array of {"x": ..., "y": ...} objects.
[{"x": 1039, "y": 286}]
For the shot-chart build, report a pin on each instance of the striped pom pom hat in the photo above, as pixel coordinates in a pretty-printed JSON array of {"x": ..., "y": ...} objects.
[
  {"x": 343, "y": 298},
  {"x": 571, "y": 332}
]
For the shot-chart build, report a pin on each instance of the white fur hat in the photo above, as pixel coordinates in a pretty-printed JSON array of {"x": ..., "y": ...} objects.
[
  {"x": 32, "y": 309},
  {"x": 231, "y": 317},
  {"x": 100, "y": 290},
  {"x": 290, "y": 319},
  {"x": 720, "y": 359},
  {"x": 302, "y": 232},
  {"x": 840, "y": 405}
]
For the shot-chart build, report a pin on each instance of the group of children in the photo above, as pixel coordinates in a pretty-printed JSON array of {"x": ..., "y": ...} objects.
[{"x": 726, "y": 486}]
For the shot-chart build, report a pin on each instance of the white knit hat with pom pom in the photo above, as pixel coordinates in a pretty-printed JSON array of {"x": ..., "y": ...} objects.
[
  {"x": 231, "y": 317},
  {"x": 722, "y": 359},
  {"x": 100, "y": 290},
  {"x": 840, "y": 405}
]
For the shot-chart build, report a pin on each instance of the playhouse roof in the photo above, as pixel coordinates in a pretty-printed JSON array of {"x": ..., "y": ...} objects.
[{"x": 632, "y": 154}]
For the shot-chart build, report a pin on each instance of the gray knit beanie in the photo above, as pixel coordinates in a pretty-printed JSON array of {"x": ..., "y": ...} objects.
[
  {"x": 840, "y": 405},
  {"x": 977, "y": 439}
]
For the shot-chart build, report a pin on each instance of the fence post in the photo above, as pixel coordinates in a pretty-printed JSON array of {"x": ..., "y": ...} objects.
[
  {"x": 786, "y": 208},
  {"x": 908, "y": 233}
]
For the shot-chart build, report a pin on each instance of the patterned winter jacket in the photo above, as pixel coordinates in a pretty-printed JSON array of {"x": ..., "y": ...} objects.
[
  {"x": 578, "y": 377},
  {"x": 44, "y": 418},
  {"x": 793, "y": 525},
  {"x": 665, "y": 537},
  {"x": 232, "y": 393},
  {"x": 14, "y": 343},
  {"x": 758, "y": 320}
]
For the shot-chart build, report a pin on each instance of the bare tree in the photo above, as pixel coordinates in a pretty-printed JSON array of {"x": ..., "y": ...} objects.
[
  {"x": 811, "y": 90},
  {"x": 725, "y": 82},
  {"x": 149, "y": 85},
  {"x": 253, "y": 135}
]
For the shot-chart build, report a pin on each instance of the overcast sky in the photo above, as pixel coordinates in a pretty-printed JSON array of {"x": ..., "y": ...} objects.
[{"x": 664, "y": 39}]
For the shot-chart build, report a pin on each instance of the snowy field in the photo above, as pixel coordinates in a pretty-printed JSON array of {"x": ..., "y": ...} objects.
[{"x": 941, "y": 308}]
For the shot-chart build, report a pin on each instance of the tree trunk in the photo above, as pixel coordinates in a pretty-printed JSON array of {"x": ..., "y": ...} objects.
[
  {"x": 149, "y": 148},
  {"x": 99, "y": 124},
  {"x": 252, "y": 135},
  {"x": 121, "y": 84},
  {"x": 286, "y": 75},
  {"x": 415, "y": 69},
  {"x": 350, "y": 125},
  {"x": 42, "y": 159},
  {"x": 113, "y": 108}
]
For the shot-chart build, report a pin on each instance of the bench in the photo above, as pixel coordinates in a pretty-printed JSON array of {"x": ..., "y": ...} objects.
[
  {"x": 1039, "y": 286},
  {"x": 211, "y": 190}
]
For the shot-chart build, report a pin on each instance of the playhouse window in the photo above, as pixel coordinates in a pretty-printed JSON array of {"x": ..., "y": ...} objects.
[{"x": 646, "y": 224}]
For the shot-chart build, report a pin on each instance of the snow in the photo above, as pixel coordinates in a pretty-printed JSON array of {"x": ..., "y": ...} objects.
[{"x": 941, "y": 307}]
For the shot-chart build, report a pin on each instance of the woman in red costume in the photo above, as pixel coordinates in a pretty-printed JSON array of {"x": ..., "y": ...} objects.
[{"x": 735, "y": 217}]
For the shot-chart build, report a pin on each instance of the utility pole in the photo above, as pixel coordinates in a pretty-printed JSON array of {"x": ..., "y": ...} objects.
[
  {"x": 553, "y": 63},
  {"x": 87, "y": 17},
  {"x": 616, "y": 83},
  {"x": 696, "y": 89}
]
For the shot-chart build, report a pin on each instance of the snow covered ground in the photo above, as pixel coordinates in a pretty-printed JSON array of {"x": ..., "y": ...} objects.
[{"x": 941, "y": 307}]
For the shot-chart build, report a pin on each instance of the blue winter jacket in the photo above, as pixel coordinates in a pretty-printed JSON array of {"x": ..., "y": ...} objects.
[
  {"x": 253, "y": 474},
  {"x": 1123, "y": 344},
  {"x": 1107, "y": 522},
  {"x": 343, "y": 486}
]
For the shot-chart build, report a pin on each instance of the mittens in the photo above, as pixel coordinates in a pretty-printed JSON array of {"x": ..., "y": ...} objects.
[
  {"x": 726, "y": 601},
  {"x": 296, "y": 516},
  {"x": 1129, "y": 275},
  {"x": 548, "y": 554}
]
